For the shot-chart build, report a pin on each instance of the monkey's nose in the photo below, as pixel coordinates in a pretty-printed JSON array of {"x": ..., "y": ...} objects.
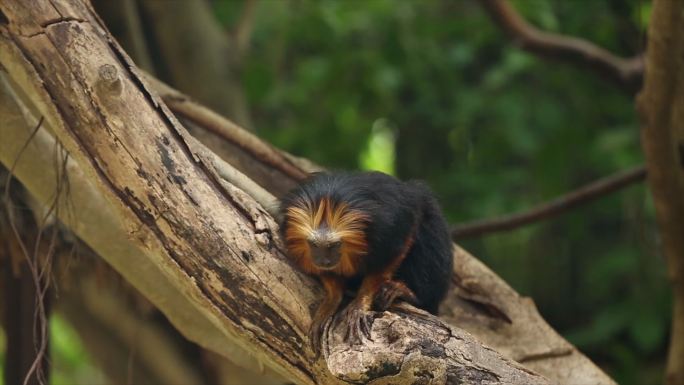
[{"x": 325, "y": 254}]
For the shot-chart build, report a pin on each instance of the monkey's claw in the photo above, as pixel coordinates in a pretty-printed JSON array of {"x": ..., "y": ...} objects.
[
  {"x": 356, "y": 323},
  {"x": 390, "y": 291}
]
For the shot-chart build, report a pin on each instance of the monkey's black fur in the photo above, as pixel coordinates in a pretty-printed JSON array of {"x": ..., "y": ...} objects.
[{"x": 397, "y": 211}]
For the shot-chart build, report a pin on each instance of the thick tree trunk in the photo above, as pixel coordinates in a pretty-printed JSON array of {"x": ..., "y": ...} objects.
[{"x": 661, "y": 105}]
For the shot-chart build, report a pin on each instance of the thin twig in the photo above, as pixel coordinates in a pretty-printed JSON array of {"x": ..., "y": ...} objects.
[
  {"x": 39, "y": 325},
  {"x": 625, "y": 71},
  {"x": 552, "y": 208}
]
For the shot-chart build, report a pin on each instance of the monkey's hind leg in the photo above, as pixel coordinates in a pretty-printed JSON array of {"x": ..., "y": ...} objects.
[
  {"x": 334, "y": 289},
  {"x": 393, "y": 290}
]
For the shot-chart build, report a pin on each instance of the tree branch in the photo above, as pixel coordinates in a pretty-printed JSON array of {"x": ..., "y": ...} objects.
[
  {"x": 200, "y": 115},
  {"x": 557, "y": 206},
  {"x": 91, "y": 217},
  {"x": 625, "y": 72},
  {"x": 248, "y": 153},
  {"x": 661, "y": 107}
]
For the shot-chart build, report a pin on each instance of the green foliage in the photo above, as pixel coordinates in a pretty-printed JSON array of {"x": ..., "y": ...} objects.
[
  {"x": 70, "y": 362},
  {"x": 493, "y": 130},
  {"x": 379, "y": 154}
]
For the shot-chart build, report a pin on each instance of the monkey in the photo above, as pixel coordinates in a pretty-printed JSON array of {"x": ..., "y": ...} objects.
[{"x": 369, "y": 231}]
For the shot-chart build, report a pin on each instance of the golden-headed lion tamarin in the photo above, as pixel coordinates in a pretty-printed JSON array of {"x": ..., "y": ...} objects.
[{"x": 369, "y": 231}]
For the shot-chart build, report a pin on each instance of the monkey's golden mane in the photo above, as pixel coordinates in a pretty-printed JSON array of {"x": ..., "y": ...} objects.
[{"x": 344, "y": 223}]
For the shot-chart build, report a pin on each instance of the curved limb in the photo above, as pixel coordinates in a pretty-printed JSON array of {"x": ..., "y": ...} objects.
[
  {"x": 334, "y": 289},
  {"x": 355, "y": 318}
]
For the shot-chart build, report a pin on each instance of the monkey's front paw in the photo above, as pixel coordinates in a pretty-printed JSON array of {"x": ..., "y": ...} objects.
[{"x": 356, "y": 323}]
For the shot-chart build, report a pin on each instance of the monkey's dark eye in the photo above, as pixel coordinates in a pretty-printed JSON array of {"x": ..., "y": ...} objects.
[{"x": 324, "y": 245}]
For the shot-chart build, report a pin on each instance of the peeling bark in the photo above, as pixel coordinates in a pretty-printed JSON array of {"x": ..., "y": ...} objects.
[{"x": 86, "y": 212}]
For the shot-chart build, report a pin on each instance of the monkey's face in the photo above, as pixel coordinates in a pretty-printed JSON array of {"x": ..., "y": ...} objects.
[
  {"x": 323, "y": 236},
  {"x": 326, "y": 247}
]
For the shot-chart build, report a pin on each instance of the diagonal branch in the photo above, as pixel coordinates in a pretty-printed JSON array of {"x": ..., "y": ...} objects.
[
  {"x": 626, "y": 72},
  {"x": 185, "y": 108},
  {"x": 582, "y": 195},
  {"x": 273, "y": 169}
]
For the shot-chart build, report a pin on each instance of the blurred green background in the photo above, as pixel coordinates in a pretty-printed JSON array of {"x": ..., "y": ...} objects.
[{"x": 432, "y": 89}]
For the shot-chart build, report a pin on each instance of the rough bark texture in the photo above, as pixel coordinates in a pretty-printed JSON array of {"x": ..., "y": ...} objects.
[
  {"x": 129, "y": 339},
  {"x": 86, "y": 212},
  {"x": 484, "y": 305},
  {"x": 661, "y": 105},
  {"x": 482, "y": 290},
  {"x": 192, "y": 240},
  {"x": 241, "y": 148}
]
